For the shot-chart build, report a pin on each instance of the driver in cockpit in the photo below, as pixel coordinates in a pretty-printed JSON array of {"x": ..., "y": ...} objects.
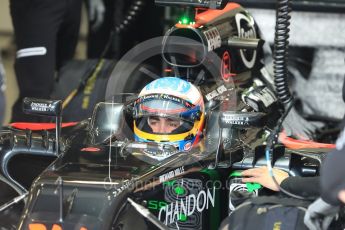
[{"x": 169, "y": 110}]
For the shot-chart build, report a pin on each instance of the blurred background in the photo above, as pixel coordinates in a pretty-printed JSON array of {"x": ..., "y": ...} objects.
[
  {"x": 317, "y": 47},
  {"x": 115, "y": 12},
  {"x": 8, "y": 49}
]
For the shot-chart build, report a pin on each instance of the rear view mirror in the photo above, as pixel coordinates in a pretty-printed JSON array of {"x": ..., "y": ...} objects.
[
  {"x": 45, "y": 107},
  {"x": 42, "y": 107},
  {"x": 107, "y": 119}
]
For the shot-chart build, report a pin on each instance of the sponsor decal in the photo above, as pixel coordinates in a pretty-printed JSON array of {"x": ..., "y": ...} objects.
[
  {"x": 246, "y": 29},
  {"x": 171, "y": 174},
  {"x": 110, "y": 185},
  {"x": 215, "y": 93},
  {"x": 41, "y": 107},
  {"x": 213, "y": 39},
  {"x": 233, "y": 120},
  {"x": 163, "y": 97},
  {"x": 186, "y": 206},
  {"x": 187, "y": 146},
  {"x": 156, "y": 204}
]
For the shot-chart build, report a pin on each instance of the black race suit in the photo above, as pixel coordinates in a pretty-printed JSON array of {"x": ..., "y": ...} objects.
[{"x": 46, "y": 33}]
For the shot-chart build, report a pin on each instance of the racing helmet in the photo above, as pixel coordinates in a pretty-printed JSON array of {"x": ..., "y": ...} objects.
[{"x": 169, "y": 110}]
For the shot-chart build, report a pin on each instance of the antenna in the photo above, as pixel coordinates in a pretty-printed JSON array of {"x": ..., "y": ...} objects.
[
  {"x": 112, "y": 119},
  {"x": 59, "y": 190}
]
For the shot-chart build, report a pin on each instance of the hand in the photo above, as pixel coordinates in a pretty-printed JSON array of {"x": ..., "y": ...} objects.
[
  {"x": 262, "y": 176},
  {"x": 320, "y": 215},
  {"x": 96, "y": 13},
  {"x": 341, "y": 196}
]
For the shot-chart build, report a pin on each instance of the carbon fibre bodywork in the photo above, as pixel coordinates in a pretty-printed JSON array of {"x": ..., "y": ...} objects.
[{"x": 87, "y": 184}]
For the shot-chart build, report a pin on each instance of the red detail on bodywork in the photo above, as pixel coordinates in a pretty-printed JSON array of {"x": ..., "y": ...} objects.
[
  {"x": 226, "y": 67},
  {"x": 198, "y": 135},
  {"x": 90, "y": 149},
  {"x": 292, "y": 143},
  {"x": 208, "y": 15},
  {"x": 181, "y": 26},
  {"x": 39, "y": 126}
]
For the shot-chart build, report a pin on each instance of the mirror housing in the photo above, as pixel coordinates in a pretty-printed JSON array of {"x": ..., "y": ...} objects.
[
  {"x": 46, "y": 107},
  {"x": 107, "y": 118},
  {"x": 42, "y": 107}
]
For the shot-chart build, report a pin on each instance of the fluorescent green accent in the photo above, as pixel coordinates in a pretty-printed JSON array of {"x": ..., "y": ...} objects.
[
  {"x": 180, "y": 190},
  {"x": 185, "y": 20},
  {"x": 182, "y": 217},
  {"x": 155, "y": 204},
  {"x": 169, "y": 183},
  {"x": 152, "y": 204},
  {"x": 236, "y": 173},
  {"x": 253, "y": 186},
  {"x": 162, "y": 204}
]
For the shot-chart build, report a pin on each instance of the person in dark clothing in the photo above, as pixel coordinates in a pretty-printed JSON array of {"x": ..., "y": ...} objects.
[
  {"x": 46, "y": 35},
  {"x": 123, "y": 17},
  {"x": 99, "y": 31},
  {"x": 321, "y": 212},
  {"x": 328, "y": 190},
  {"x": 332, "y": 174}
]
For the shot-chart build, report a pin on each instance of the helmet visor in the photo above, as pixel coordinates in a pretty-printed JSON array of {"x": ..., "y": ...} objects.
[
  {"x": 165, "y": 114},
  {"x": 163, "y": 125},
  {"x": 164, "y": 105}
]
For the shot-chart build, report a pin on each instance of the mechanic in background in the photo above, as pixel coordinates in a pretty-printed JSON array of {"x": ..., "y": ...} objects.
[
  {"x": 169, "y": 110},
  {"x": 321, "y": 213},
  {"x": 123, "y": 17},
  {"x": 46, "y": 35},
  {"x": 330, "y": 188}
]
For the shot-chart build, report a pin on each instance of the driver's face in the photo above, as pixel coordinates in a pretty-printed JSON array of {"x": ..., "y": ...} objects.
[{"x": 163, "y": 125}]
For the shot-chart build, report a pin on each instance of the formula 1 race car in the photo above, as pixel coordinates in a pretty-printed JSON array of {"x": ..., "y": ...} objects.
[
  {"x": 93, "y": 174},
  {"x": 96, "y": 170}
]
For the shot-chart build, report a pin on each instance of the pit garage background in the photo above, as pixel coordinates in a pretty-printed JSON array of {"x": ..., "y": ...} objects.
[{"x": 317, "y": 53}]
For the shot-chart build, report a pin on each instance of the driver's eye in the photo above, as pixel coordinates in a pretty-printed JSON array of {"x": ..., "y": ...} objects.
[
  {"x": 153, "y": 121},
  {"x": 174, "y": 124}
]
